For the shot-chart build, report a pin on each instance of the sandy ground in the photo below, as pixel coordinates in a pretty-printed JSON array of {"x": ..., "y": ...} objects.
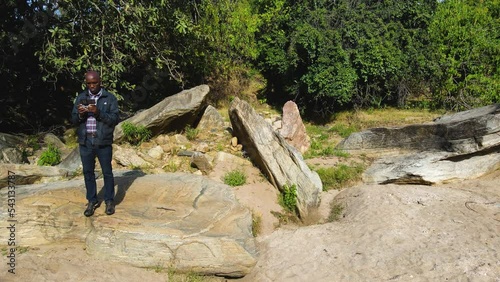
[{"x": 349, "y": 250}]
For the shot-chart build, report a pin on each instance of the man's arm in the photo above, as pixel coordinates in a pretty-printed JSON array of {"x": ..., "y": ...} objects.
[{"x": 112, "y": 117}]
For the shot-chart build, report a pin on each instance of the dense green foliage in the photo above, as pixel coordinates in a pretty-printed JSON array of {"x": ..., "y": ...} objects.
[
  {"x": 323, "y": 54},
  {"x": 328, "y": 54},
  {"x": 465, "y": 36}
]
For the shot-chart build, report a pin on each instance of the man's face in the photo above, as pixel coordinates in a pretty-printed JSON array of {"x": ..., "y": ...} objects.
[{"x": 93, "y": 83}]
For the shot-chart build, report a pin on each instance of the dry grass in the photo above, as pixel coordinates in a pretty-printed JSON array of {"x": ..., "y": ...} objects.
[{"x": 388, "y": 117}]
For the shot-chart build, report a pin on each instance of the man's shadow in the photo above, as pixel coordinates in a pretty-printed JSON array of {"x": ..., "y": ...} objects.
[{"x": 123, "y": 181}]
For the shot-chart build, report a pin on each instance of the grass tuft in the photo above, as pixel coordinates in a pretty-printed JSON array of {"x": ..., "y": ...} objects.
[
  {"x": 256, "y": 224},
  {"x": 339, "y": 176},
  {"x": 191, "y": 133},
  {"x": 335, "y": 211},
  {"x": 235, "y": 178}
]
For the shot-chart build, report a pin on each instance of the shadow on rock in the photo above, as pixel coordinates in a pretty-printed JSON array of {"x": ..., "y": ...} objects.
[{"x": 123, "y": 181}]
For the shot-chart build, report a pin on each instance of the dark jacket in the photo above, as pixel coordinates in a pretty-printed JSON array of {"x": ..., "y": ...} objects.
[{"x": 107, "y": 118}]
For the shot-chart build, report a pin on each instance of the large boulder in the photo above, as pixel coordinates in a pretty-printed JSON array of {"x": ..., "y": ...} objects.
[
  {"x": 72, "y": 162},
  {"x": 280, "y": 162},
  {"x": 293, "y": 129},
  {"x": 172, "y": 113},
  {"x": 464, "y": 132},
  {"x": 51, "y": 138},
  {"x": 211, "y": 121},
  {"x": 187, "y": 222}
]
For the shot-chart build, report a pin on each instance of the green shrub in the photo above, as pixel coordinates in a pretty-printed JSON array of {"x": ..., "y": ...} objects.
[
  {"x": 288, "y": 198},
  {"x": 338, "y": 177},
  {"x": 51, "y": 156},
  {"x": 191, "y": 133},
  {"x": 235, "y": 178},
  {"x": 134, "y": 134}
]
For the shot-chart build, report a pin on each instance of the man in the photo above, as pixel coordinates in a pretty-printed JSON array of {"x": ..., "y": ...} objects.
[{"x": 96, "y": 113}]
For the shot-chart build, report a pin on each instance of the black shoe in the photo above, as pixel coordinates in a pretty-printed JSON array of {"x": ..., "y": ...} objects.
[
  {"x": 91, "y": 206},
  {"x": 110, "y": 207}
]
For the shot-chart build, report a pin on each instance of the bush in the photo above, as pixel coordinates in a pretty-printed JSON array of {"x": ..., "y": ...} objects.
[
  {"x": 288, "y": 198},
  {"x": 51, "y": 156},
  {"x": 235, "y": 178},
  {"x": 134, "y": 134}
]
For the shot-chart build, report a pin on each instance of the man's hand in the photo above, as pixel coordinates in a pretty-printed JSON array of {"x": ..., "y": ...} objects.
[
  {"x": 82, "y": 109},
  {"x": 92, "y": 109}
]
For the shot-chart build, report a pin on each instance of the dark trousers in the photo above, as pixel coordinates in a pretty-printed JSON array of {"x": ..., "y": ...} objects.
[{"x": 88, "y": 153}]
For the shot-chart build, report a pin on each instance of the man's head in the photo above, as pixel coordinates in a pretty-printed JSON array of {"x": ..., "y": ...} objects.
[{"x": 93, "y": 81}]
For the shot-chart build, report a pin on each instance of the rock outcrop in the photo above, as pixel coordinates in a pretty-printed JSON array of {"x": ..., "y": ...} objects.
[
  {"x": 281, "y": 163},
  {"x": 392, "y": 233},
  {"x": 184, "y": 221},
  {"x": 211, "y": 120},
  {"x": 454, "y": 147},
  {"x": 172, "y": 113},
  {"x": 464, "y": 132},
  {"x": 27, "y": 174}
]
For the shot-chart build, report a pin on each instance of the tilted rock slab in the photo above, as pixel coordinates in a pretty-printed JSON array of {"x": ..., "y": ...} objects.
[
  {"x": 464, "y": 132},
  {"x": 183, "y": 221},
  {"x": 280, "y": 162},
  {"x": 172, "y": 113},
  {"x": 454, "y": 147}
]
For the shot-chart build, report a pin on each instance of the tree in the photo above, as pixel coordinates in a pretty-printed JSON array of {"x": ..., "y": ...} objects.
[
  {"x": 465, "y": 39},
  {"x": 27, "y": 104},
  {"x": 127, "y": 42},
  {"x": 332, "y": 54}
]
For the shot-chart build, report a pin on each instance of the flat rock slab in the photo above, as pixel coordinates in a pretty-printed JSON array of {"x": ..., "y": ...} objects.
[
  {"x": 183, "y": 221},
  {"x": 393, "y": 233}
]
